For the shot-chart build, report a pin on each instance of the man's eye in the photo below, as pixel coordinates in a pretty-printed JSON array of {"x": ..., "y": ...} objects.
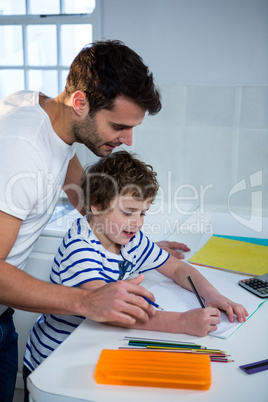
[
  {"x": 127, "y": 213},
  {"x": 118, "y": 128}
]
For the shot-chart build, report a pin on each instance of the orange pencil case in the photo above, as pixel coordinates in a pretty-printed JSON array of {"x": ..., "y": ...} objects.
[{"x": 153, "y": 369}]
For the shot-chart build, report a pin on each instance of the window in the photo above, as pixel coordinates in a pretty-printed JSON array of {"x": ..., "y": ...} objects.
[{"x": 39, "y": 39}]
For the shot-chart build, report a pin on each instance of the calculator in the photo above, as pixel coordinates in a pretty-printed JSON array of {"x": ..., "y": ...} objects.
[{"x": 257, "y": 285}]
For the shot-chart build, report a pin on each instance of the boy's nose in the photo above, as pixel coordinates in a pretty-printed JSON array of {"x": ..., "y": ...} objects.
[{"x": 137, "y": 222}]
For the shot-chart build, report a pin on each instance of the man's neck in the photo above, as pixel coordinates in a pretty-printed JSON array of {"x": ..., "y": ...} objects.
[{"x": 55, "y": 108}]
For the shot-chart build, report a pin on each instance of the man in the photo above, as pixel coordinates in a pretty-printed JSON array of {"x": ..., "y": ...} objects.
[{"x": 108, "y": 92}]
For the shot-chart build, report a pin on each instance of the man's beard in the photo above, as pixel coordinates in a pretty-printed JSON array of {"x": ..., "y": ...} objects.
[{"x": 86, "y": 133}]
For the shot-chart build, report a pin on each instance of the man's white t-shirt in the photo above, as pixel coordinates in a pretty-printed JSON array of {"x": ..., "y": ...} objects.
[{"x": 33, "y": 166}]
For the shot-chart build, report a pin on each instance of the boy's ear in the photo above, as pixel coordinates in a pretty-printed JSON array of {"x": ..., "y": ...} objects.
[{"x": 80, "y": 103}]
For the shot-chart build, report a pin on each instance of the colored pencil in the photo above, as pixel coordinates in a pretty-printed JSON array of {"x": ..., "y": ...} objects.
[
  {"x": 165, "y": 345},
  {"x": 195, "y": 291},
  {"x": 153, "y": 303},
  {"x": 136, "y": 338},
  {"x": 220, "y": 358},
  {"x": 191, "y": 349}
]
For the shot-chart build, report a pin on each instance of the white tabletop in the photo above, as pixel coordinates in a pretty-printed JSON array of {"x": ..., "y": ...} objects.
[{"x": 68, "y": 374}]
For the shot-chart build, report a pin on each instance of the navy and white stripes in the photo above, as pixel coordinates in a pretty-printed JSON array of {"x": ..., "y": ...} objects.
[{"x": 82, "y": 258}]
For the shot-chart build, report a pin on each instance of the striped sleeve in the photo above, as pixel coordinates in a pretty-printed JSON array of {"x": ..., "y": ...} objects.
[
  {"x": 148, "y": 254},
  {"x": 77, "y": 262}
]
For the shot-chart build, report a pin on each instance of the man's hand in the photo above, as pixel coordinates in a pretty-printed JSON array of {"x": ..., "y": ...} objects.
[
  {"x": 172, "y": 248},
  {"x": 121, "y": 302}
]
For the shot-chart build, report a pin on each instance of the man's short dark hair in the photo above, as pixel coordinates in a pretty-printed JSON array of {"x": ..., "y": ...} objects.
[{"x": 109, "y": 69}]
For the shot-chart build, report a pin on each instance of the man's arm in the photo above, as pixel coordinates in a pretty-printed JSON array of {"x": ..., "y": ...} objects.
[
  {"x": 72, "y": 184},
  {"x": 118, "y": 301}
]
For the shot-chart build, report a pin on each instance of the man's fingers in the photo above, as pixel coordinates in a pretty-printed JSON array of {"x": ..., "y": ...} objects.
[
  {"x": 172, "y": 248},
  {"x": 178, "y": 246},
  {"x": 176, "y": 254},
  {"x": 137, "y": 280},
  {"x": 138, "y": 290},
  {"x": 122, "y": 301}
]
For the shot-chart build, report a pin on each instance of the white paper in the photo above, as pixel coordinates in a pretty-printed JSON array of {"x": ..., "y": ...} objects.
[{"x": 172, "y": 297}]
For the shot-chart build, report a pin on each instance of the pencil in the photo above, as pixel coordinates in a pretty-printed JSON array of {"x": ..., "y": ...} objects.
[
  {"x": 163, "y": 343},
  {"x": 153, "y": 303},
  {"x": 195, "y": 291},
  {"x": 200, "y": 351},
  {"x": 219, "y": 358}
]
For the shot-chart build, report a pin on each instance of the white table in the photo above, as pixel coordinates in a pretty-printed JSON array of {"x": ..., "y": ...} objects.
[{"x": 67, "y": 375}]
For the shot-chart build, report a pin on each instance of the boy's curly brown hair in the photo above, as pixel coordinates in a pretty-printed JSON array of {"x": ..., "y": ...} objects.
[{"x": 117, "y": 174}]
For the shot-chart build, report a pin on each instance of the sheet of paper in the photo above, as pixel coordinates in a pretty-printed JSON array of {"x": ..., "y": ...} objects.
[{"x": 172, "y": 297}]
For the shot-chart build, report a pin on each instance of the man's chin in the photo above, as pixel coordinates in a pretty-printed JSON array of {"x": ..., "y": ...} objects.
[
  {"x": 101, "y": 152},
  {"x": 106, "y": 152}
]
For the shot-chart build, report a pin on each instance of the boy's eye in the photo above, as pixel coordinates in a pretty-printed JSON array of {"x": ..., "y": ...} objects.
[
  {"x": 131, "y": 213},
  {"x": 127, "y": 213}
]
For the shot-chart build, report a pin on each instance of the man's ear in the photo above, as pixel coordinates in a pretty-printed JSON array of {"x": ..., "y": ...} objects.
[{"x": 80, "y": 103}]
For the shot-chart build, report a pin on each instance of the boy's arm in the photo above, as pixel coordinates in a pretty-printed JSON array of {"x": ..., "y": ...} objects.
[
  {"x": 198, "y": 322},
  {"x": 178, "y": 271}
]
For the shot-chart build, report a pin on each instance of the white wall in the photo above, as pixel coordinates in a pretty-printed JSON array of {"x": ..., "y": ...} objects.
[
  {"x": 207, "y": 42},
  {"x": 210, "y": 60}
]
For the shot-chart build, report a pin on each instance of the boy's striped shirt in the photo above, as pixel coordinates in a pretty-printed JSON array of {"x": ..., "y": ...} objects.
[{"x": 82, "y": 258}]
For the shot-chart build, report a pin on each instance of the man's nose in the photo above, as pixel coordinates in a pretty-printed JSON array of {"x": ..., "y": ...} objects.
[{"x": 126, "y": 136}]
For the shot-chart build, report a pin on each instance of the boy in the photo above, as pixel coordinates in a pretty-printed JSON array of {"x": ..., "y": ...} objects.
[{"x": 108, "y": 245}]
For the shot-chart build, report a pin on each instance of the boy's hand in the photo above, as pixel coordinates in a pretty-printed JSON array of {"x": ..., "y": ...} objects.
[
  {"x": 231, "y": 308},
  {"x": 172, "y": 248},
  {"x": 201, "y": 321}
]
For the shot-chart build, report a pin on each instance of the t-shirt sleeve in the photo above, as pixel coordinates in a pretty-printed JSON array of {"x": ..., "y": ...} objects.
[
  {"x": 149, "y": 255},
  {"x": 20, "y": 180},
  {"x": 78, "y": 264}
]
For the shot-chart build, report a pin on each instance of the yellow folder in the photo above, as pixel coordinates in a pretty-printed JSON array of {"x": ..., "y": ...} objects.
[
  {"x": 228, "y": 254},
  {"x": 153, "y": 369}
]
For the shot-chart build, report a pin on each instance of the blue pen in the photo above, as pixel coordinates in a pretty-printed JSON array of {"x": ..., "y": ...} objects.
[{"x": 146, "y": 298}]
